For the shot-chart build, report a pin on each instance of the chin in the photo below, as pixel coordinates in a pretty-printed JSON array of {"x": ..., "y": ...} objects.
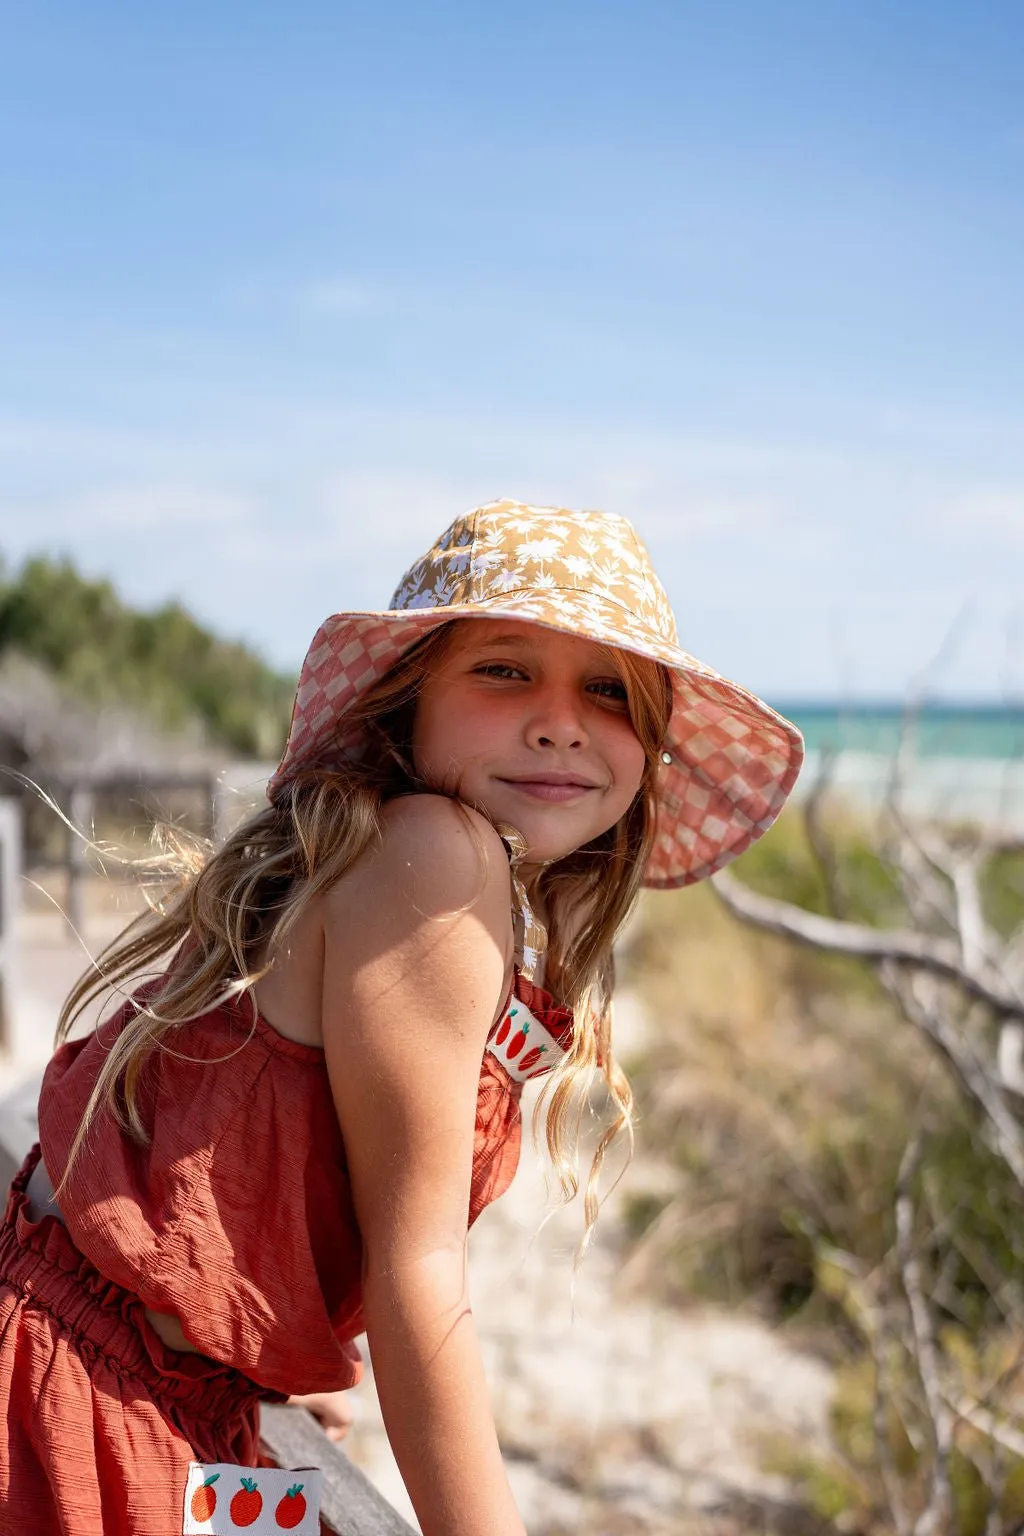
[{"x": 545, "y": 851}]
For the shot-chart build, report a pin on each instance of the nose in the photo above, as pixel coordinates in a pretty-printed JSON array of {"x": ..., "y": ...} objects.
[{"x": 557, "y": 720}]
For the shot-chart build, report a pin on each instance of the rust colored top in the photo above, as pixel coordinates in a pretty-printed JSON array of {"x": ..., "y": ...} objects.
[{"x": 238, "y": 1215}]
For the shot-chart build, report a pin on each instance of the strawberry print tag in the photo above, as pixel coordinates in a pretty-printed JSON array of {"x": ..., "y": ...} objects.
[
  {"x": 523, "y": 1046},
  {"x": 222, "y": 1500}
]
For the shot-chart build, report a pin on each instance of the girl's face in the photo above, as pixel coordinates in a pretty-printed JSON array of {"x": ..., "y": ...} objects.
[{"x": 532, "y": 727}]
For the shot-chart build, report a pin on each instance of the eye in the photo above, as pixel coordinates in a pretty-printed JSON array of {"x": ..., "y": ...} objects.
[
  {"x": 500, "y": 669},
  {"x": 609, "y": 689}
]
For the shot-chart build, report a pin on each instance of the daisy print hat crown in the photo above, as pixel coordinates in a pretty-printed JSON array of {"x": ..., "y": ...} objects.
[{"x": 729, "y": 760}]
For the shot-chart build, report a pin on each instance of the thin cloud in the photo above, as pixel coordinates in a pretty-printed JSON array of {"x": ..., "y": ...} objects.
[
  {"x": 765, "y": 536},
  {"x": 394, "y": 504},
  {"x": 344, "y": 298},
  {"x": 992, "y": 512},
  {"x": 40, "y": 439},
  {"x": 395, "y": 507},
  {"x": 145, "y": 508}
]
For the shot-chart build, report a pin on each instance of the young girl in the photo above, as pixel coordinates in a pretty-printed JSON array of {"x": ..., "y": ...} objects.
[{"x": 281, "y": 1138}]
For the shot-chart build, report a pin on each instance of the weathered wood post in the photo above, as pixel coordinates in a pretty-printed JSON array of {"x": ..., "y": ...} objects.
[
  {"x": 238, "y": 790},
  {"x": 80, "y": 810},
  {"x": 10, "y": 901}
]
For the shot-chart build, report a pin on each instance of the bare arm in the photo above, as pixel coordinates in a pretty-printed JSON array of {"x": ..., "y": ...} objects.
[{"x": 418, "y": 938}]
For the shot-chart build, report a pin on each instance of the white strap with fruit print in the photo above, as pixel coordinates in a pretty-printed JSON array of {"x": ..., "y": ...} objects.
[
  {"x": 221, "y": 1500},
  {"x": 523, "y": 1046}
]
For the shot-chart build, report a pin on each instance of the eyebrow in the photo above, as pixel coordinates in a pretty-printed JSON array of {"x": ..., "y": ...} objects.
[
  {"x": 507, "y": 639},
  {"x": 528, "y": 642}
]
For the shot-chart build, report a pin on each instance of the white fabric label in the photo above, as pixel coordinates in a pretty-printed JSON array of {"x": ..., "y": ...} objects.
[
  {"x": 221, "y": 1500},
  {"x": 522, "y": 1044}
]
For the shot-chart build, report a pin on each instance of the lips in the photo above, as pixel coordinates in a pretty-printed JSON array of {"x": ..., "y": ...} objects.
[
  {"x": 572, "y": 779},
  {"x": 556, "y": 788}
]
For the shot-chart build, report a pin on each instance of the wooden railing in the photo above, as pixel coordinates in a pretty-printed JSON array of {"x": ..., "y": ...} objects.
[
  {"x": 10, "y": 896},
  {"x": 349, "y": 1505},
  {"x": 291, "y": 1437},
  {"x": 217, "y": 798}
]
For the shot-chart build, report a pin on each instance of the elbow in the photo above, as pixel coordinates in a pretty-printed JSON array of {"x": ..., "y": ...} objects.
[{"x": 425, "y": 1289}]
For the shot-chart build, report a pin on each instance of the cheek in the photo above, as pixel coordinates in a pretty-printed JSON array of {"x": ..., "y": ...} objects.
[
  {"x": 629, "y": 763},
  {"x": 447, "y": 734}
]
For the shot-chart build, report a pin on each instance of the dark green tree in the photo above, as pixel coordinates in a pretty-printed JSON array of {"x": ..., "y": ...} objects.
[{"x": 163, "y": 663}]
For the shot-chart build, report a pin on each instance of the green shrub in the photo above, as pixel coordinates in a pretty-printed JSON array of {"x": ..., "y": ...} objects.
[
  {"x": 779, "y": 1099},
  {"x": 163, "y": 664}
]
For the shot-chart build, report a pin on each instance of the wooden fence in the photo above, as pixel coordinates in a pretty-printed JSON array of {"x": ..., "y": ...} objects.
[
  {"x": 218, "y": 796},
  {"x": 10, "y": 898}
]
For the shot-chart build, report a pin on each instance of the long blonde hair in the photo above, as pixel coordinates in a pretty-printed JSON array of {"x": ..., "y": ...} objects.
[{"x": 210, "y": 934}]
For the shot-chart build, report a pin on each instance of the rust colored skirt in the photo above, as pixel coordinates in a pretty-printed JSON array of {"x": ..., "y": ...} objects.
[{"x": 102, "y": 1418}]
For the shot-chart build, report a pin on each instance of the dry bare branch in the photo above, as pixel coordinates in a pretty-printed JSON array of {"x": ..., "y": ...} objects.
[
  {"x": 975, "y": 939},
  {"x": 1010, "y": 1056},
  {"x": 928, "y": 897},
  {"x": 935, "y": 1517},
  {"x": 924, "y": 1010},
  {"x": 963, "y": 870},
  {"x": 903, "y": 947},
  {"x": 997, "y": 840},
  {"x": 960, "y": 986},
  {"x": 882, "y": 1338},
  {"x": 990, "y": 1424}
]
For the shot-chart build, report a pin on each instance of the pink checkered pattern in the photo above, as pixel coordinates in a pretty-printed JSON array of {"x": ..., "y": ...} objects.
[{"x": 733, "y": 759}]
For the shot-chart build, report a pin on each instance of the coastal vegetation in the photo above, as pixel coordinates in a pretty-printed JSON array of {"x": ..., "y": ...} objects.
[
  {"x": 838, "y": 1147},
  {"x": 162, "y": 665}
]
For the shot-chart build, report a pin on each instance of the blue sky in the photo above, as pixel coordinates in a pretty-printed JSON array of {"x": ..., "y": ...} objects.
[{"x": 281, "y": 292}]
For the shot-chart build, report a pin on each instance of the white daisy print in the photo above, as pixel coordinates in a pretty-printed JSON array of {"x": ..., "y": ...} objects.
[{"x": 540, "y": 549}]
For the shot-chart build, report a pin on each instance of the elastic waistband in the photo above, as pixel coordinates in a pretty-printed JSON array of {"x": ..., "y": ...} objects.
[{"x": 39, "y": 1259}]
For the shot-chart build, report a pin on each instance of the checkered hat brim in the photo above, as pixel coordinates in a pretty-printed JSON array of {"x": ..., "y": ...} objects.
[{"x": 733, "y": 761}]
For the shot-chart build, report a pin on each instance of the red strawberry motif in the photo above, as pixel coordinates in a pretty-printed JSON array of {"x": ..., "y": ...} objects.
[
  {"x": 291, "y": 1509},
  {"x": 504, "y": 1027},
  {"x": 247, "y": 1503},
  {"x": 517, "y": 1042},
  {"x": 204, "y": 1498}
]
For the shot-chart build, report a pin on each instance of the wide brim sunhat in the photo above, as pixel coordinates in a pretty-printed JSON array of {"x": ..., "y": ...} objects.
[{"x": 729, "y": 760}]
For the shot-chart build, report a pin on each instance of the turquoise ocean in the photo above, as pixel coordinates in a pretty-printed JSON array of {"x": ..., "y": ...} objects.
[
  {"x": 950, "y": 760},
  {"x": 933, "y": 730}
]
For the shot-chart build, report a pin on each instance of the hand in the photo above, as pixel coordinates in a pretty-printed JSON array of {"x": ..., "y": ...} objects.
[{"x": 333, "y": 1409}]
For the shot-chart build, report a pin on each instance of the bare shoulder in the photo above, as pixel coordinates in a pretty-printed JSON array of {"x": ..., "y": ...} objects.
[
  {"x": 422, "y": 920},
  {"x": 435, "y": 853},
  {"x": 434, "y": 828}
]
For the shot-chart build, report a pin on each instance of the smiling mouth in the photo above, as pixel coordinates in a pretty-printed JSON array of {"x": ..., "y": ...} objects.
[{"x": 553, "y": 787}]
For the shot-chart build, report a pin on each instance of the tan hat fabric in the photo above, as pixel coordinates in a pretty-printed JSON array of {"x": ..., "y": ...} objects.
[{"x": 733, "y": 759}]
